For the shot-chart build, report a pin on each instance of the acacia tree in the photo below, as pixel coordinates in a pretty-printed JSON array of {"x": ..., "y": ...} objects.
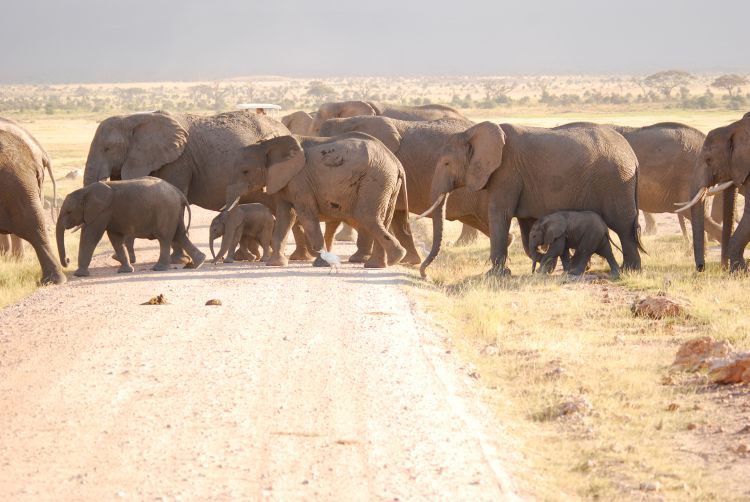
[
  {"x": 730, "y": 83},
  {"x": 666, "y": 81},
  {"x": 497, "y": 87}
]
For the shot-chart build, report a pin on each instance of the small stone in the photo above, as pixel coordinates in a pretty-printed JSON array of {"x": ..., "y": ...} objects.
[
  {"x": 579, "y": 405},
  {"x": 657, "y": 307},
  {"x": 733, "y": 369},
  {"x": 156, "y": 300},
  {"x": 744, "y": 430},
  {"x": 673, "y": 407},
  {"x": 213, "y": 302},
  {"x": 741, "y": 449},
  {"x": 650, "y": 486},
  {"x": 691, "y": 426}
]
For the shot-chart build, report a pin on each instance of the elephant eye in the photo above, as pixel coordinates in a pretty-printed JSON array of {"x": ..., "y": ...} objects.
[{"x": 245, "y": 171}]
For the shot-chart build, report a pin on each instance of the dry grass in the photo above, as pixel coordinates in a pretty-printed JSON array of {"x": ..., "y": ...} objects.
[{"x": 539, "y": 342}]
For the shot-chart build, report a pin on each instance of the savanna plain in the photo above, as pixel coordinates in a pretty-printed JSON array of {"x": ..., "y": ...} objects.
[{"x": 535, "y": 345}]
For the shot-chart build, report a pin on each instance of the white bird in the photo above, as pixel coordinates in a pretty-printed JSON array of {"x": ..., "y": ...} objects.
[{"x": 332, "y": 259}]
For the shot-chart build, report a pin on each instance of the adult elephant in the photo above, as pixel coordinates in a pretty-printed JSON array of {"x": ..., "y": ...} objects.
[
  {"x": 724, "y": 160},
  {"x": 667, "y": 156},
  {"x": 21, "y": 210},
  {"x": 343, "y": 109},
  {"x": 530, "y": 172},
  {"x": 197, "y": 154},
  {"x": 417, "y": 145}
]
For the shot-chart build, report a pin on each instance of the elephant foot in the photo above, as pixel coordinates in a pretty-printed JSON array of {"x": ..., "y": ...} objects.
[
  {"x": 179, "y": 259},
  {"x": 346, "y": 234},
  {"x": 277, "y": 261},
  {"x": 198, "y": 260},
  {"x": 396, "y": 256},
  {"x": 320, "y": 262},
  {"x": 160, "y": 267},
  {"x": 411, "y": 259},
  {"x": 244, "y": 256},
  {"x": 359, "y": 257},
  {"x": 499, "y": 272},
  {"x": 53, "y": 278},
  {"x": 738, "y": 267},
  {"x": 301, "y": 255},
  {"x": 125, "y": 269},
  {"x": 265, "y": 259},
  {"x": 228, "y": 260},
  {"x": 373, "y": 263},
  {"x": 82, "y": 272}
]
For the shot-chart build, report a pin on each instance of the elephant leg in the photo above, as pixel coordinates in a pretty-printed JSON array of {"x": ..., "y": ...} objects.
[
  {"x": 118, "y": 243},
  {"x": 556, "y": 249},
  {"x": 650, "y": 223},
  {"x": 265, "y": 242},
  {"x": 51, "y": 271},
  {"x": 129, "y": 244},
  {"x": 285, "y": 221},
  {"x": 525, "y": 224},
  {"x": 738, "y": 241},
  {"x": 302, "y": 251},
  {"x": 401, "y": 229},
  {"x": 331, "y": 227},
  {"x": 499, "y": 223},
  {"x": 347, "y": 234},
  {"x": 234, "y": 242},
  {"x": 164, "y": 256},
  {"x": 196, "y": 256},
  {"x": 364, "y": 248},
  {"x": 387, "y": 250},
  {"x": 579, "y": 261},
  {"x": 179, "y": 255},
  {"x": 566, "y": 259},
  {"x": 254, "y": 247},
  {"x": 605, "y": 251},
  {"x": 629, "y": 243},
  {"x": 311, "y": 225},
  {"x": 90, "y": 237},
  {"x": 468, "y": 235}
]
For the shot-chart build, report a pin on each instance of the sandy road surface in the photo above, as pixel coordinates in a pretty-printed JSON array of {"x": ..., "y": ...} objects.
[{"x": 302, "y": 385}]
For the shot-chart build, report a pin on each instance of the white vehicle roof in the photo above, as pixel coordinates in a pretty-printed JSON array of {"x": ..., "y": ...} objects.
[{"x": 255, "y": 106}]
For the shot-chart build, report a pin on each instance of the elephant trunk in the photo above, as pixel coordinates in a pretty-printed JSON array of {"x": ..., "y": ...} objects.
[
  {"x": 211, "y": 246},
  {"x": 730, "y": 196},
  {"x": 442, "y": 185},
  {"x": 60, "y": 231},
  {"x": 703, "y": 180}
]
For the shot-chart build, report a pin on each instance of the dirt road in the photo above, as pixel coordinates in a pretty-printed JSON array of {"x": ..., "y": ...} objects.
[{"x": 302, "y": 385}]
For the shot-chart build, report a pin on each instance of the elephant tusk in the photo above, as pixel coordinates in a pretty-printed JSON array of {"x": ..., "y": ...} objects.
[
  {"x": 432, "y": 207},
  {"x": 231, "y": 206},
  {"x": 719, "y": 188},
  {"x": 77, "y": 228},
  {"x": 698, "y": 198}
]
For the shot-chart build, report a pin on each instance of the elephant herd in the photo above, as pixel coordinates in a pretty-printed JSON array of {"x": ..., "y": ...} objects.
[{"x": 370, "y": 165}]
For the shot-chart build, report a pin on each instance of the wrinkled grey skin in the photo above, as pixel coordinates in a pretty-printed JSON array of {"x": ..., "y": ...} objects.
[
  {"x": 725, "y": 156},
  {"x": 667, "y": 154},
  {"x": 343, "y": 109},
  {"x": 249, "y": 226},
  {"x": 192, "y": 152},
  {"x": 583, "y": 231},
  {"x": 21, "y": 210},
  {"x": 144, "y": 208},
  {"x": 353, "y": 178},
  {"x": 11, "y": 244},
  {"x": 299, "y": 122},
  {"x": 529, "y": 172}
]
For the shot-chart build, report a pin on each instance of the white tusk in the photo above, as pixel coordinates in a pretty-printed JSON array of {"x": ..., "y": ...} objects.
[
  {"x": 432, "y": 207},
  {"x": 76, "y": 229},
  {"x": 719, "y": 188},
  {"x": 698, "y": 198}
]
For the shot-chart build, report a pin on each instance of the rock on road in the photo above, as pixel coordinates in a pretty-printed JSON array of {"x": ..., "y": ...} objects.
[{"x": 301, "y": 385}]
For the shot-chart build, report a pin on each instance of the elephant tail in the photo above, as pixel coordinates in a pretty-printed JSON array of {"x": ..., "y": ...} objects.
[
  {"x": 186, "y": 204},
  {"x": 403, "y": 197},
  {"x": 636, "y": 225},
  {"x": 614, "y": 243},
  {"x": 53, "y": 206}
]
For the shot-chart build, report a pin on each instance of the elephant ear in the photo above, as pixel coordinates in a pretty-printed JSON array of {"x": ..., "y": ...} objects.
[
  {"x": 284, "y": 160},
  {"x": 739, "y": 152},
  {"x": 96, "y": 199},
  {"x": 156, "y": 140},
  {"x": 383, "y": 129},
  {"x": 553, "y": 229},
  {"x": 485, "y": 141}
]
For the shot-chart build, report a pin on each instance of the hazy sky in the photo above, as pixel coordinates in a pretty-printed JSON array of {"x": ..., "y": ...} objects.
[{"x": 57, "y": 41}]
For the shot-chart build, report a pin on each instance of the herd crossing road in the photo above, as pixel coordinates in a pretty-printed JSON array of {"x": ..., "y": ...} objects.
[{"x": 301, "y": 385}]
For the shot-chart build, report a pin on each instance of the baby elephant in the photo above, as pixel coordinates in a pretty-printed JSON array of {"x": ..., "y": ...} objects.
[
  {"x": 583, "y": 231},
  {"x": 248, "y": 225},
  {"x": 144, "y": 208}
]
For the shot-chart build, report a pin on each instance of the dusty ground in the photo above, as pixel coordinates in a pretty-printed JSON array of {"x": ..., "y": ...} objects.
[{"x": 302, "y": 385}]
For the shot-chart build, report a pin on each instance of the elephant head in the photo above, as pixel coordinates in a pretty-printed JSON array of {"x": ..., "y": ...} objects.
[
  {"x": 216, "y": 230},
  {"x": 342, "y": 109},
  {"x": 79, "y": 209},
  {"x": 382, "y": 128},
  {"x": 132, "y": 146},
  {"x": 724, "y": 160},
  {"x": 270, "y": 163},
  {"x": 543, "y": 233},
  {"x": 467, "y": 159},
  {"x": 299, "y": 122}
]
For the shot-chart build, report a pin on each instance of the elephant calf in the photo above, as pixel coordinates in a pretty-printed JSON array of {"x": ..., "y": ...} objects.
[
  {"x": 248, "y": 225},
  {"x": 583, "y": 231},
  {"x": 144, "y": 208}
]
